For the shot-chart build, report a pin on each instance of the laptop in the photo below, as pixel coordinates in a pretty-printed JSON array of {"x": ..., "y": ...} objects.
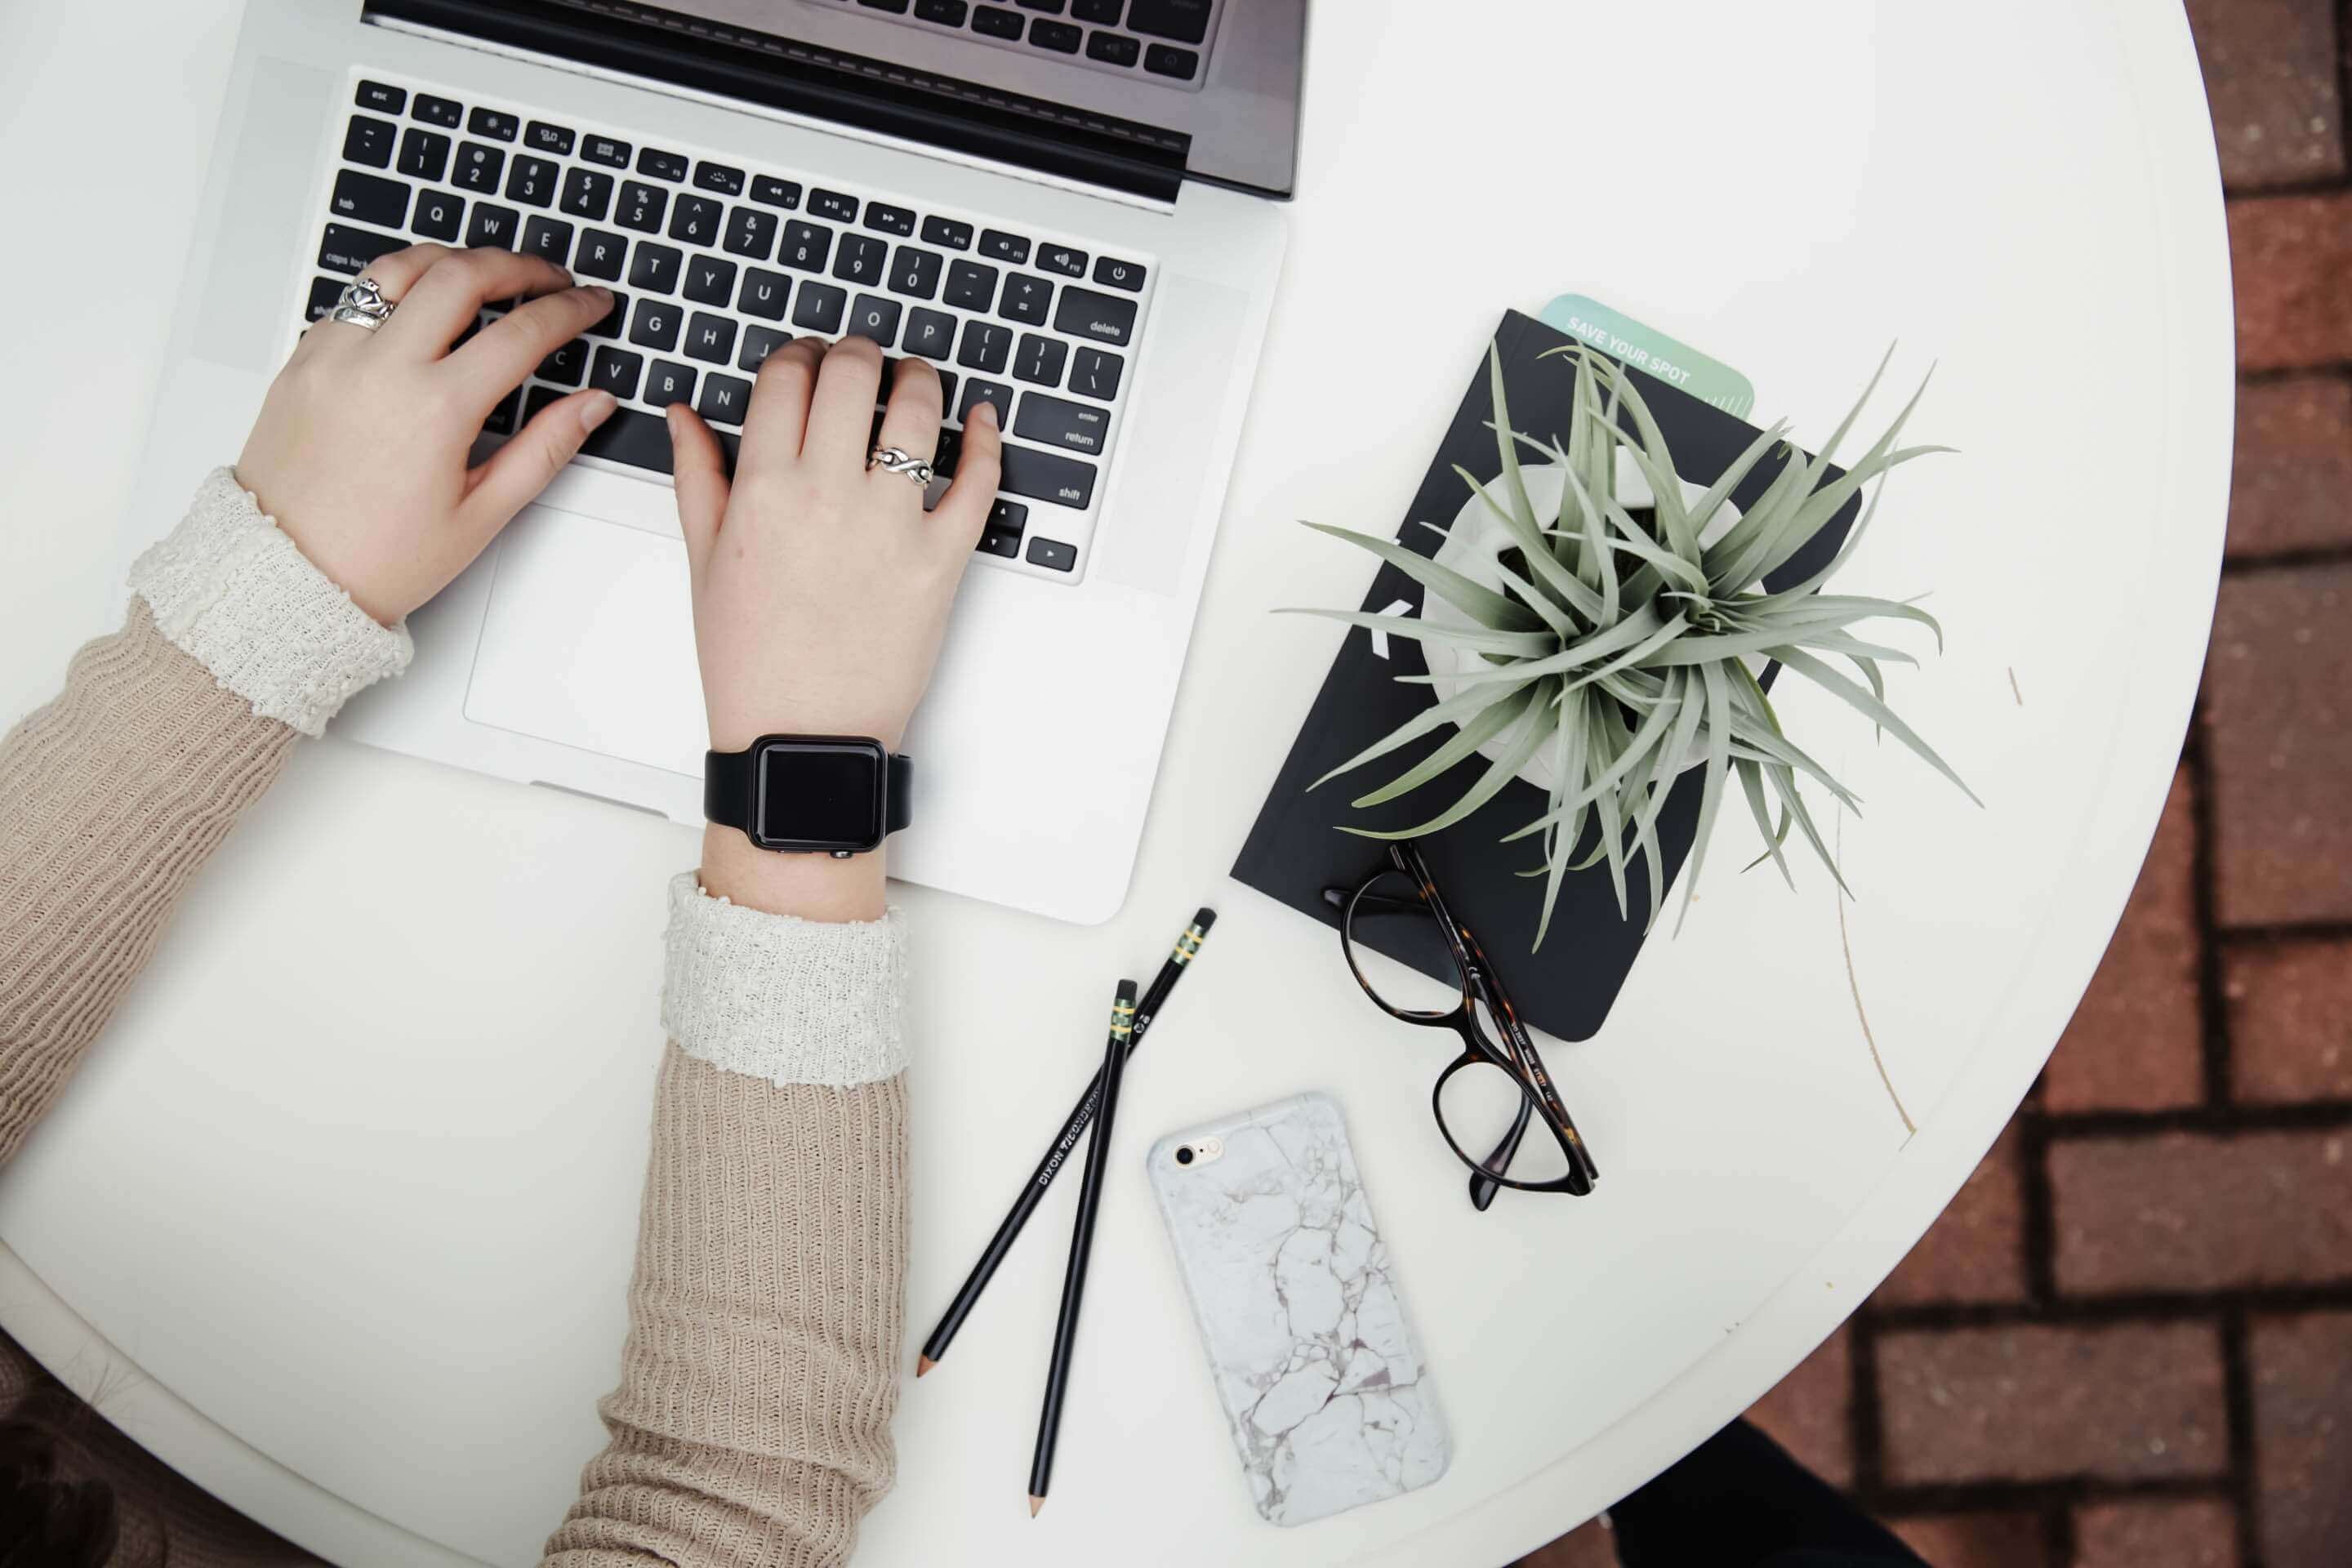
[{"x": 1071, "y": 207}]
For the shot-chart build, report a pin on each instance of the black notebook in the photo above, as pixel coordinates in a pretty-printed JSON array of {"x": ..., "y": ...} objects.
[{"x": 1295, "y": 850}]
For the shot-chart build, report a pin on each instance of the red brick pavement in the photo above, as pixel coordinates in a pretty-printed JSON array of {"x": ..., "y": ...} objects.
[{"x": 2128, "y": 1342}]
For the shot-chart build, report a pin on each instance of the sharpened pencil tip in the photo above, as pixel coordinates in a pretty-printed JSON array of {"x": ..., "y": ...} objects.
[
  {"x": 923, "y": 1364},
  {"x": 1035, "y": 1504}
]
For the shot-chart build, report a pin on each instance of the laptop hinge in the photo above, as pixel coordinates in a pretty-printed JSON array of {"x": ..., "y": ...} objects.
[{"x": 877, "y": 98}]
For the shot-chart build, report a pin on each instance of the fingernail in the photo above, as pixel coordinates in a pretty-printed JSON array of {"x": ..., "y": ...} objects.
[
  {"x": 669, "y": 417},
  {"x": 595, "y": 409},
  {"x": 599, "y": 290},
  {"x": 986, "y": 412}
]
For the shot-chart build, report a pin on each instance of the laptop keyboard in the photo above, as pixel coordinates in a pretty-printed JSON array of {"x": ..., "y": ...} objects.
[
  {"x": 1162, "y": 41},
  {"x": 714, "y": 263}
]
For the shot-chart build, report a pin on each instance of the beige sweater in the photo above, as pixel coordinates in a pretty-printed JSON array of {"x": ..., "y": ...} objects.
[{"x": 752, "y": 1423}]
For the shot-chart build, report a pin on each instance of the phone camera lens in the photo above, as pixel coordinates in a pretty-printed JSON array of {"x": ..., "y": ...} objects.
[{"x": 1185, "y": 1156}]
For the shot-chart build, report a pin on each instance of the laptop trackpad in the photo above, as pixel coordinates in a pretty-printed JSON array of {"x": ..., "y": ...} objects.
[{"x": 589, "y": 641}]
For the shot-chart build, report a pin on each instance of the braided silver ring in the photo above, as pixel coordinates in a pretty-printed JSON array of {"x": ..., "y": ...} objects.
[
  {"x": 891, "y": 460},
  {"x": 362, "y": 304}
]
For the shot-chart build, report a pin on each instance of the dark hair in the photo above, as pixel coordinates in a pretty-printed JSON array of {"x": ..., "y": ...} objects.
[{"x": 47, "y": 1521}]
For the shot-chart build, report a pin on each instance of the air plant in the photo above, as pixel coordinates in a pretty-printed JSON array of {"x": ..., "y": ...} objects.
[{"x": 1618, "y": 650}]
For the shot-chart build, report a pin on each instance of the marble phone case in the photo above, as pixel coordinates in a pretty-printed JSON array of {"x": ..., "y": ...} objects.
[{"x": 1321, "y": 1378}]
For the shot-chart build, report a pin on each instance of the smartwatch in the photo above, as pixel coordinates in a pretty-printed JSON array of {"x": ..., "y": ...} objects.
[{"x": 816, "y": 794}]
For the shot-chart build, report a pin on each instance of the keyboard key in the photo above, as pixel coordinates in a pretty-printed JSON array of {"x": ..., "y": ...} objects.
[
  {"x": 668, "y": 383},
  {"x": 325, "y": 293},
  {"x": 531, "y": 181},
  {"x": 832, "y": 204},
  {"x": 605, "y": 150},
  {"x": 655, "y": 267},
  {"x": 724, "y": 399},
  {"x": 493, "y": 227},
  {"x": 946, "y": 12},
  {"x": 859, "y": 260},
  {"x": 587, "y": 194},
  {"x": 709, "y": 281},
  {"x": 914, "y": 272},
  {"x": 720, "y": 178},
  {"x": 1053, "y": 7},
  {"x": 1053, "y": 552},
  {"x": 931, "y": 334},
  {"x": 553, "y": 139},
  {"x": 897, "y": 7},
  {"x": 875, "y": 317},
  {"x": 638, "y": 439},
  {"x": 711, "y": 338},
  {"x": 979, "y": 390},
  {"x": 1101, "y": 13},
  {"x": 349, "y": 251},
  {"x": 1165, "y": 59},
  {"x": 501, "y": 420},
  {"x": 617, "y": 371},
  {"x": 948, "y": 232},
  {"x": 549, "y": 239},
  {"x": 1040, "y": 360},
  {"x": 947, "y": 388},
  {"x": 805, "y": 245},
  {"x": 752, "y": 234},
  {"x": 1079, "y": 427},
  {"x": 1002, "y": 536},
  {"x": 1117, "y": 274},
  {"x": 1104, "y": 318},
  {"x": 1063, "y": 260},
  {"x": 971, "y": 286},
  {"x": 1026, "y": 299},
  {"x": 661, "y": 165},
  {"x": 1094, "y": 373},
  {"x": 1186, "y": 21},
  {"x": 497, "y": 127},
  {"x": 1000, "y": 246},
  {"x": 819, "y": 306},
  {"x": 758, "y": 342},
  {"x": 642, "y": 207},
  {"x": 367, "y": 198},
  {"x": 439, "y": 215},
  {"x": 1058, "y": 37},
  {"x": 614, "y": 321},
  {"x": 769, "y": 190},
  {"x": 655, "y": 325},
  {"x": 478, "y": 168},
  {"x": 569, "y": 364},
  {"x": 986, "y": 346},
  {"x": 384, "y": 99},
  {"x": 1114, "y": 49},
  {"x": 369, "y": 142},
  {"x": 423, "y": 154},
  {"x": 996, "y": 22},
  {"x": 886, "y": 219},
  {"x": 696, "y": 219},
  {"x": 435, "y": 110},
  {"x": 764, "y": 293},
  {"x": 600, "y": 255}
]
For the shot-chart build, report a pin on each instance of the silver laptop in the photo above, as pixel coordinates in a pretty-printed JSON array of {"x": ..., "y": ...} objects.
[{"x": 1070, "y": 207}]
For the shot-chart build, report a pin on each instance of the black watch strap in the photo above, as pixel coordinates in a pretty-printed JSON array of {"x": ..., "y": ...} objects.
[{"x": 728, "y": 779}]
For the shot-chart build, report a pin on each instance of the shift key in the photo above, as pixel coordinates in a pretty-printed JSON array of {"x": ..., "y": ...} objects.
[
  {"x": 1059, "y": 423},
  {"x": 1048, "y": 475}
]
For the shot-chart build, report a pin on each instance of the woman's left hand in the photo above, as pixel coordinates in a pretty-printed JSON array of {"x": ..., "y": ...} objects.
[{"x": 361, "y": 449}]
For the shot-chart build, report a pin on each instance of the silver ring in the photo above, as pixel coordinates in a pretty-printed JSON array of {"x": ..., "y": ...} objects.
[
  {"x": 362, "y": 304},
  {"x": 890, "y": 459}
]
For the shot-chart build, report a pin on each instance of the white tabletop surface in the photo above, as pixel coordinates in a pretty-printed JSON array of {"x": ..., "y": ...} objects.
[{"x": 337, "y": 1218}]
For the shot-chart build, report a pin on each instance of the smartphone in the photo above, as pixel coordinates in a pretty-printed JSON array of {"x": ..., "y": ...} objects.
[{"x": 1319, "y": 1374}]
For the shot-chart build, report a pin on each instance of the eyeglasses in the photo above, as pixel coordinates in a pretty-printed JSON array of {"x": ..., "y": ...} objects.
[{"x": 1487, "y": 1099}]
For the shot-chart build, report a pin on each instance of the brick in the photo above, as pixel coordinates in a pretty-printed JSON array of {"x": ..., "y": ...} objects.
[
  {"x": 1808, "y": 1411},
  {"x": 1977, "y": 1540},
  {"x": 2270, "y": 81},
  {"x": 2290, "y": 488},
  {"x": 2277, "y": 715},
  {"x": 2302, "y": 1437},
  {"x": 2290, "y": 1020},
  {"x": 2194, "y": 1532},
  {"x": 2199, "y": 1211},
  {"x": 1976, "y": 1250},
  {"x": 2290, "y": 258},
  {"x": 2030, "y": 1402},
  {"x": 2136, "y": 1041},
  {"x": 1588, "y": 1545}
]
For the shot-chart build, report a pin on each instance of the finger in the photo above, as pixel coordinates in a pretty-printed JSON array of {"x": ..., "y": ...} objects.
[
  {"x": 699, "y": 466},
  {"x": 502, "y": 354},
  {"x": 841, "y": 410},
  {"x": 911, "y": 422},
  {"x": 517, "y": 471},
  {"x": 450, "y": 295},
  {"x": 963, "y": 511},
  {"x": 777, "y": 420},
  {"x": 394, "y": 275}
]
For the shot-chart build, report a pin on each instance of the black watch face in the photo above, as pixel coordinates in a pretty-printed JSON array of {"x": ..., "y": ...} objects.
[{"x": 820, "y": 794}]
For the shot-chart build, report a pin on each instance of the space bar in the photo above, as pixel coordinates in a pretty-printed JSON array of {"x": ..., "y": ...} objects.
[{"x": 642, "y": 441}]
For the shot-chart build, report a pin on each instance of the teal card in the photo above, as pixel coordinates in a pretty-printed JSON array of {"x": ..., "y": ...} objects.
[{"x": 1647, "y": 349}]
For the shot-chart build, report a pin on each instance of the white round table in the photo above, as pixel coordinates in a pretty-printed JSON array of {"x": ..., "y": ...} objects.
[{"x": 337, "y": 1218}]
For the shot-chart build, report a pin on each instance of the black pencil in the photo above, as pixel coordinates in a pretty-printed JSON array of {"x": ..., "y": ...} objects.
[
  {"x": 1082, "y": 1242},
  {"x": 1073, "y": 1127}
]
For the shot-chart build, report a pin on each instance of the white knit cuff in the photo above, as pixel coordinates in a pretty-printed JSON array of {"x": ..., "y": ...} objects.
[
  {"x": 233, "y": 593},
  {"x": 788, "y": 1000}
]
